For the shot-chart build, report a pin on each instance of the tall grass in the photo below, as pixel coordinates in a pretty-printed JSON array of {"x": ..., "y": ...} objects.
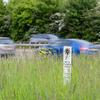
[{"x": 41, "y": 78}]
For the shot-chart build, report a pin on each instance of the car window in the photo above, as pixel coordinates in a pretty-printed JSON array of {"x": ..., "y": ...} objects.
[
  {"x": 53, "y": 37},
  {"x": 6, "y": 41},
  {"x": 46, "y": 36},
  {"x": 39, "y": 36}
]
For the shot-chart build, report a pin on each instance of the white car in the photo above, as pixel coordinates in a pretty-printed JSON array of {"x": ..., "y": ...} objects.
[{"x": 7, "y": 46}]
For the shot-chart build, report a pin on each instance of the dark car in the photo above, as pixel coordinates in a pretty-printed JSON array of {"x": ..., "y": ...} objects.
[
  {"x": 43, "y": 38},
  {"x": 7, "y": 46},
  {"x": 78, "y": 46}
]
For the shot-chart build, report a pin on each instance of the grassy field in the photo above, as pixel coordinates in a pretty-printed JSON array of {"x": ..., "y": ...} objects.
[{"x": 38, "y": 78}]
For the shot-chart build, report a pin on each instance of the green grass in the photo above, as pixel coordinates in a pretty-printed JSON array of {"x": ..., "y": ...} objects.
[{"x": 38, "y": 78}]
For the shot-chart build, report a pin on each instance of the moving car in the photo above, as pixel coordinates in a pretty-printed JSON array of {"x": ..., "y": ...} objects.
[
  {"x": 43, "y": 38},
  {"x": 96, "y": 47},
  {"x": 78, "y": 47},
  {"x": 7, "y": 46}
]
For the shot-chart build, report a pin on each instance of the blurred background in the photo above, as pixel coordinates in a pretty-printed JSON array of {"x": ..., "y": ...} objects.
[{"x": 19, "y": 19}]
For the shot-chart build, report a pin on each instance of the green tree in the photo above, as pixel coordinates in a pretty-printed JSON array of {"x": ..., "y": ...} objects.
[
  {"x": 21, "y": 12},
  {"x": 77, "y": 22},
  {"x": 30, "y": 17},
  {"x": 4, "y": 20},
  {"x": 1, "y": 17}
]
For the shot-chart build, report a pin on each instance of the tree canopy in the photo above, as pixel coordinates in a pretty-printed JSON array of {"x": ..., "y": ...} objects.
[{"x": 69, "y": 18}]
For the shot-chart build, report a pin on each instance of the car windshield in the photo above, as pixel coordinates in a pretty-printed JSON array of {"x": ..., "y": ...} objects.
[
  {"x": 51, "y": 36},
  {"x": 46, "y": 36},
  {"x": 6, "y": 41},
  {"x": 38, "y": 36}
]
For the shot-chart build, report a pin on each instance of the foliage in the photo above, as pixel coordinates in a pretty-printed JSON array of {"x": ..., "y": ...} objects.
[
  {"x": 33, "y": 78},
  {"x": 93, "y": 20},
  {"x": 4, "y": 20},
  {"x": 69, "y": 18},
  {"x": 21, "y": 15},
  {"x": 79, "y": 18},
  {"x": 28, "y": 18}
]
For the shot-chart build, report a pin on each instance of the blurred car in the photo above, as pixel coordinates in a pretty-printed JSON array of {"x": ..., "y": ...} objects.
[
  {"x": 78, "y": 46},
  {"x": 7, "y": 46},
  {"x": 43, "y": 38},
  {"x": 96, "y": 47}
]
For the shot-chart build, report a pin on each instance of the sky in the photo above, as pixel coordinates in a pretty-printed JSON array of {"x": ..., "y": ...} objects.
[{"x": 5, "y": 0}]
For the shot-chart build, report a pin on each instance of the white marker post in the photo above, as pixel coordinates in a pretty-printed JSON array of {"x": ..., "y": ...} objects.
[{"x": 67, "y": 64}]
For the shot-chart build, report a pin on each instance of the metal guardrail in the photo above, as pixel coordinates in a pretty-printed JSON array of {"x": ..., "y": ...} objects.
[
  {"x": 31, "y": 45},
  {"x": 24, "y": 46},
  {"x": 28, "y": 49}
]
